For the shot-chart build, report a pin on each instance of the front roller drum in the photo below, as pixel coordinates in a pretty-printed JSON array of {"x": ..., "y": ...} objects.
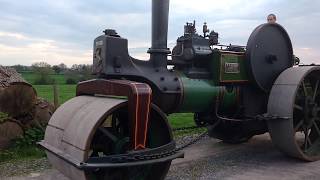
[
  {"x": 295, "y": 99},
  {"x": 88, "y": 127}
]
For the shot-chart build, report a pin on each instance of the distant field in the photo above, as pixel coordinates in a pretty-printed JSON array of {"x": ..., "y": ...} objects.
[
  {"x": 30, "y": 77},
  {"x": 66, "y": 92}
]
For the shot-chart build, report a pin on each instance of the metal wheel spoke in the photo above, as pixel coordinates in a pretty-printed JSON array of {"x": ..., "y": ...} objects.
[
  {"x": 309, "y": 141},
  {"x": 112, "y": 137},
  {"x": 316, "y": 127},
  {"x": 296, "y": 128},
  {"x": 114, "y": 123},
  {"x": 298, "y": 107},
  {"x": 305, "y": 144},
  {"x": 313, "y": 145},
  {"x": 306, "y": 139},
  {"x": 304, "y": 89},
  {"x": 315, "y": 91}
]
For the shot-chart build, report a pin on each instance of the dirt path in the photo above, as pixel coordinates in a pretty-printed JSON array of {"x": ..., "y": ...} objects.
[
  {"x": 211, "y": 159},
  {"x": 257, "y": 159}
]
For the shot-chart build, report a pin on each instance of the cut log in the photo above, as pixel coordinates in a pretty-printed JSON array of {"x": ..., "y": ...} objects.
[
  {"x": 43, "y": 111},
  {"x": 8, "y": 76},
  {"x": 17, "y": 97},
  {"x": 9, "y": 131},
  {"x": 21, "y": 106}
]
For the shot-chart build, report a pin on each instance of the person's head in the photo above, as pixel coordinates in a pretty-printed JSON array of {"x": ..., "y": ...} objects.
[{"x": 272, "y": 18}]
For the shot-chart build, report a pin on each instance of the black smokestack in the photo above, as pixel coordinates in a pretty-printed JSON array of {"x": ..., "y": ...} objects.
[{"x": 159, "y": 50}]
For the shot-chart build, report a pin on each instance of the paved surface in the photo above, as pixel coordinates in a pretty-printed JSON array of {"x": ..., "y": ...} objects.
[{"x": 211, "y": 159}]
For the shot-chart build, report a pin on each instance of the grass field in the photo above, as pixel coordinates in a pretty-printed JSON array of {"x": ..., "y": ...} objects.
[
  {"x": 68, "y": 91},
  {"x": 30, "y": 77}
]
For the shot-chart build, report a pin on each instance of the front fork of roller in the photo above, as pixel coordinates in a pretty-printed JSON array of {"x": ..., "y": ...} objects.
[{"x": 139, "y": 103}]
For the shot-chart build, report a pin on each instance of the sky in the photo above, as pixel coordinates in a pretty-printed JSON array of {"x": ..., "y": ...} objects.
[{"x": 62, "y": 31}]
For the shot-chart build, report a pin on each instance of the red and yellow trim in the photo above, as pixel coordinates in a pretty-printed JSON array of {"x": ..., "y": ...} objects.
[{"x": 139, "y": 103}]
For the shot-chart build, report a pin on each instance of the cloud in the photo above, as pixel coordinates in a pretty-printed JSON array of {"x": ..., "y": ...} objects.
[
  {"x": 62, "y": 30},
  {"x": 14, "y": 35},
  {"x": 310, "y": 55},
  {"x": 32, "y": 50}
]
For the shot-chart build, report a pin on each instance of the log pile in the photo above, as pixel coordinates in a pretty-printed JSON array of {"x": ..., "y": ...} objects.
[{"x": 20, "y": 108}]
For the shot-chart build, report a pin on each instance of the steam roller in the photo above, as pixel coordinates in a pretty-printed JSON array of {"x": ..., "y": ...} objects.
[{"x": 116, "y": 127}]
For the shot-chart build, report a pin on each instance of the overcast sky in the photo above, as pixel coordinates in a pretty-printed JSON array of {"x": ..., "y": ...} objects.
[{"x": 58, "y": 31}]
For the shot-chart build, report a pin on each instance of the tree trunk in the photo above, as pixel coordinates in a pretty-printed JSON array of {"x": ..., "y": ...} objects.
[
  {"x": 8, "y": 131},
  {"x": 20, "y": 107},
  {"x": 17, "y": 97}
]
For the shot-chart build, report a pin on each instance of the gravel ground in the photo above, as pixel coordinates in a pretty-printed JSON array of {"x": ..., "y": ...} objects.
[
  {"x": 217, "y": 166},
  {"x": 185, "y": 139},
  {"x": 22, "y": 167},
  {"x": 207, "y": 159},
  {"x": 36, "y": 166},
  {"x": 257, "y": 159}
]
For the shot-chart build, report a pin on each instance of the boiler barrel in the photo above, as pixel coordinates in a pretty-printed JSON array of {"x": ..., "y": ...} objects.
[{"x": 200, "y": 95}]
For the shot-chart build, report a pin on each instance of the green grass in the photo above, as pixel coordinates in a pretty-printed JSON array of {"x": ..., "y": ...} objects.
[
  {"x": 13, "y": 154},
  {"x": 66, "y": 92},
  {"x": 31, "y": 76},
  {"x": 181, "y": 120}
]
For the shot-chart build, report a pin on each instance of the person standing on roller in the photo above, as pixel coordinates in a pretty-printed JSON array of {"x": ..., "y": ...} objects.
[{"x": 272, "y": 18}]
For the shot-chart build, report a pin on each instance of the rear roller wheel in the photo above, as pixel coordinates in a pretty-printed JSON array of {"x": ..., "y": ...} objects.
[
  {"x": 88, "y": 126},
  {"x": 295, "y": 96},
  {"x": 112, "y": 137}
]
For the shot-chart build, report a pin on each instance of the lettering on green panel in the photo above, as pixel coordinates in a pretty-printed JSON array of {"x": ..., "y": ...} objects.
[{"x": 232, "y": 67}]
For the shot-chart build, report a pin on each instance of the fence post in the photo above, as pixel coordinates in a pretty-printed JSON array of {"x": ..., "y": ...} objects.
[{"x": 55, "y": 95}]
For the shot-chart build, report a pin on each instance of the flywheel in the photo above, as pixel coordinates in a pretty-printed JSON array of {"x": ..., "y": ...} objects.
[{"x": 269, "y": 52}]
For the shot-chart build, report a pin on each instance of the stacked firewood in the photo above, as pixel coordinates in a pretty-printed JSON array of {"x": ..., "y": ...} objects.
[{"x": 20, "y": 108}]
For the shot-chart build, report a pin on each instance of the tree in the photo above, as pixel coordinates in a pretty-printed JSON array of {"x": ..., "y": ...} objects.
[
  {"x": 85, "y": 72},
  {"x": 42, "y": 71},
  {"x": 62, "y": 66},
  {"x": 56, "y": 69},
  {"x": 40, "y": 65},
  {"x": 78, "y": 72},
  {"x": 21, "y": 68}
]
